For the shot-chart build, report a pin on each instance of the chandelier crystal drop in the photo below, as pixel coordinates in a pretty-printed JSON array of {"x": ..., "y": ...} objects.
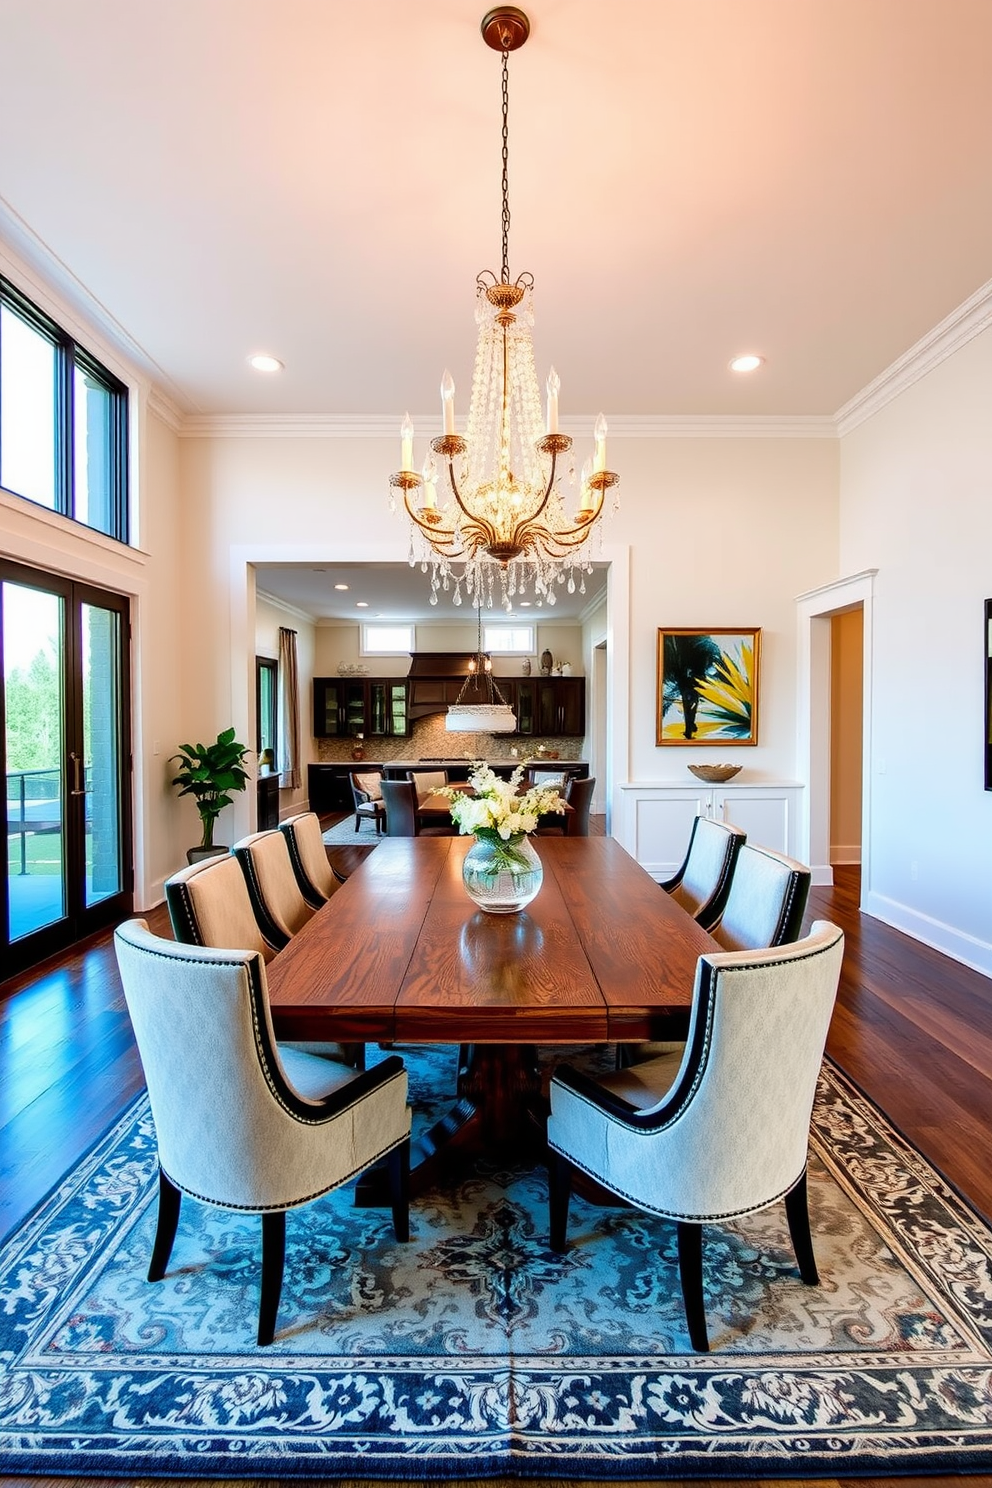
[{"x": 502, "y": 524}]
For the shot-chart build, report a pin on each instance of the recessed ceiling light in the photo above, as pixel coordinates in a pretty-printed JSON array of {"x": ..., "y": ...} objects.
[
  {"x": 748, "y": 363},
  {"x": 361, "y": 604},
  {"x": 342, "y": 586},
  {"x": 265, "y": 363}
]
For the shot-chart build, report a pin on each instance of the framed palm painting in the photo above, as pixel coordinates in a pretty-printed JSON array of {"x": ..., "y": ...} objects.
[{"x": 708, "y": 686}]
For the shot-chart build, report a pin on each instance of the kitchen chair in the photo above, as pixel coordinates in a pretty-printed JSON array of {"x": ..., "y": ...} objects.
[
  {"x": 276, "y": 897},
  {"x": 766, "y": 901},
  {"x": 242, "y": 1122},
  {"x": 549, "y": 777},
  {"x": 209, "y": 905},
  {"x": 314, "y": 874},
  {"x": 719, "y": 1128},
  {"x": 366, "y": 791},
  {"x": 427, "y": 780},
  {"x": 703, "y": 882},
  {"x": 578, "y": 795},
  {"x": 400, "y": 798}
]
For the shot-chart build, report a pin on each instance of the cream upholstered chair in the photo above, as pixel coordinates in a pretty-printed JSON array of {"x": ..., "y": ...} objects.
[
  {"x": 367, "y": 792},
  {"x": 427, "y": 780},
  {"x": 242, "y": 1122},
  {"x": 703, "y": 882},
  {"x": 276, "y": 897},
  {"x": 766, "y": 901},
  {"x": 314, "y": 874},
  {"x": 720, "y": 1128},
  {"x": 209, "y": 905}
]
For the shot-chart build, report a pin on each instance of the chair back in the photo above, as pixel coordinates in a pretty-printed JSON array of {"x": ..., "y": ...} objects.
[
  {"x": 307, "y": 854},
  {"x": 756, "y": 1039},
  {"x": 366, "y": 787},
  {"x": 578, "y": 795},
  {"x": 209, "y": 906},
  {"x": 547, "y": 777},
  {"x": 276, "y": 898},
  {"x": 766, "y": 902},
  {"x": 400, "y": 800},
  {"x": 729, "y": 1133},
  {"x": 427, "y": 780},
  {"x": 218, "y": 1091},
  {"x": 703, "y": 882}
]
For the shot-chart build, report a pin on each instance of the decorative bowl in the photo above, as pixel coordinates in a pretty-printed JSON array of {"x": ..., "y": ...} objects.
[{"x": 714, "y": 774}]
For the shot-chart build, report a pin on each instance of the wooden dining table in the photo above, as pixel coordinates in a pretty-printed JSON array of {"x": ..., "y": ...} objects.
[{"x": 400, "y": 954}]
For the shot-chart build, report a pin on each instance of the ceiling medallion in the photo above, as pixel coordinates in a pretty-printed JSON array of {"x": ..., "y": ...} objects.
[{"x": 501, "y": 524}]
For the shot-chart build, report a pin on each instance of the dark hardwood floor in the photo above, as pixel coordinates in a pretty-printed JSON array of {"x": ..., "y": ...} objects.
[{"x": 911, "y": 1027}]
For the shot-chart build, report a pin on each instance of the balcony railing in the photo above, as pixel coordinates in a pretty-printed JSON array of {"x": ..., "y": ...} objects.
[{"x": 34, "y": 807}]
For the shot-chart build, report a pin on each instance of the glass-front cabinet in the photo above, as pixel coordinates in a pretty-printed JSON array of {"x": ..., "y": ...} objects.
[
  {"x": 344, "y": 707},
  {"x": 387, "y": 713}
]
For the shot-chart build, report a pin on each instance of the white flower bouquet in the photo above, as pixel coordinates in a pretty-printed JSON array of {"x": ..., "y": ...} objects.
[{"x": 495, "y": 812}]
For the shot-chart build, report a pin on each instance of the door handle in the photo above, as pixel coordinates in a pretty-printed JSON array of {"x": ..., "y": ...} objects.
[{"x": 77, "y": 774}]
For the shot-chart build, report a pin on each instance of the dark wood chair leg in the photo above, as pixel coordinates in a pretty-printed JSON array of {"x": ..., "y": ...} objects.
[
  {"x": 358, "y": 821},
  {"x": 559, "y": 1194},
  {"x": 797, "y": 1213},
  {"x": 690, "y": 1241},
  {"x": 273, "y": 1258},
  {"x": 169, "y": 1200},
  {"x": 355, "y": 1055},
  {"x": 399, "y": 1189}
]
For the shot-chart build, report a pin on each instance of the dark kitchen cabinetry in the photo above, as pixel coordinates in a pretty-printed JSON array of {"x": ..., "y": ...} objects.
[
  {"x": 329, "y": 788},
  {"x": 548, "y": 705},
  {"x": 344, "y": 707},
  {"x": 267, "y": 798}
]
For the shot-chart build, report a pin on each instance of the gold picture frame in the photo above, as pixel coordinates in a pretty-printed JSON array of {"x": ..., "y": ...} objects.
[{"x": 708, "y": 685}]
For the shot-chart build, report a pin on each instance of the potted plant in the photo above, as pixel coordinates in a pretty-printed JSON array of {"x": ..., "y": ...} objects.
[{"x": 209, "y": 772}]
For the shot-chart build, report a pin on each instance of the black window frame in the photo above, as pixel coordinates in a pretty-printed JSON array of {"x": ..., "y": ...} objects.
[
  {"x": 267, "y": 664},
  {"x": 69, "y": 355}
]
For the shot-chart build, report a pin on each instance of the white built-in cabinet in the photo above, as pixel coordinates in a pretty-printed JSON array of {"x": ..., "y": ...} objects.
[{"x": 655, "y": 819}]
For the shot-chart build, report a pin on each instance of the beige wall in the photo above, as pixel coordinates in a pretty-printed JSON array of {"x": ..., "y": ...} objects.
[
  {"x": 916, "y": 504},
  {"x": 846, "y": 722}
]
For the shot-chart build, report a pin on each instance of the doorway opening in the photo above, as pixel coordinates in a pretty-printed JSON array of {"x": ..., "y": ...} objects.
[{"x": 65, "y": 747}]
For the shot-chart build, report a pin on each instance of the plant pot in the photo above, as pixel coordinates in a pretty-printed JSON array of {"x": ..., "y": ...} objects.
[{"x": 197, "y": 854}]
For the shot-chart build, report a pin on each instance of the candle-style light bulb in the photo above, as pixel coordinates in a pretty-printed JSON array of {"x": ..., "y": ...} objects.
[
  {"x": 430, "y": 489},
  {"x": 600, "y": 433},
  {"x": 448, "y": 401},
  {"x": 584, "y": 487},
  {"x": 406, "y": 443},
  {"x": 554, "y": 383}
]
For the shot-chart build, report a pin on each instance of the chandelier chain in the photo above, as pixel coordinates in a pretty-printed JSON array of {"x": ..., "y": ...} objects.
[{"x": 506, "y": 161}]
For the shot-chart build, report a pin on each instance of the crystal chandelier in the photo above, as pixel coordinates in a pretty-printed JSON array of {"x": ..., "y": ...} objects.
[
  {"x": 505, "y": 525},
  {"x": 480, "y": 706}
]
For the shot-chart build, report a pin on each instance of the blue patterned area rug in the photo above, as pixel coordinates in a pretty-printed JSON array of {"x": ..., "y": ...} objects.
[{"x": 475, "y": 1351}]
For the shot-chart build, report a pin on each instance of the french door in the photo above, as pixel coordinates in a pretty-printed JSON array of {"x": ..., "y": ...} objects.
[{"x": 65, "y": 749}]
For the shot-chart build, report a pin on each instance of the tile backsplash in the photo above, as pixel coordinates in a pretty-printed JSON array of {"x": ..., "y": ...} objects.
[{"x": 430, "y": 740}]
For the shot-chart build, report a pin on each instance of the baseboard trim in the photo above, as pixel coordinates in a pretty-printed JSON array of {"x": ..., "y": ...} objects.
[
  {"x": 822, "y": 876},
  {"x": 846, "y": 855},
  {"x": 968, "y": 949}
]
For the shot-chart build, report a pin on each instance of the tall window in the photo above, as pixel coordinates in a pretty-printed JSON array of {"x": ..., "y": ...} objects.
[
  {"x": 63, "y": 421},
  {"x": 266, "y": 705}
]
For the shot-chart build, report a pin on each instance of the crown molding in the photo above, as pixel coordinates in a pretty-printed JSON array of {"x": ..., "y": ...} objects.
[
  {"x": 954, "y": 331},
  {"x": 284, "y": 605},
  {"x": 166, "y": 410},
  {"x": 622, "y": 426}
]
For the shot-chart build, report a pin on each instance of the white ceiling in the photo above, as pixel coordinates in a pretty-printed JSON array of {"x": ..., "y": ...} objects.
[
  {"x": 395, "y": 591},
  {"x": 689, "y": 179}
]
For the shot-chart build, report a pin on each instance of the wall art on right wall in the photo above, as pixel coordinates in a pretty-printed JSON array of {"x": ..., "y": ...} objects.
[{"x": 708, "y": 686}]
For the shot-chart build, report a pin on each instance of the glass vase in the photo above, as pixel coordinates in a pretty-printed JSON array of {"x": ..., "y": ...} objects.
[{"x": 502, "y": 877}]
